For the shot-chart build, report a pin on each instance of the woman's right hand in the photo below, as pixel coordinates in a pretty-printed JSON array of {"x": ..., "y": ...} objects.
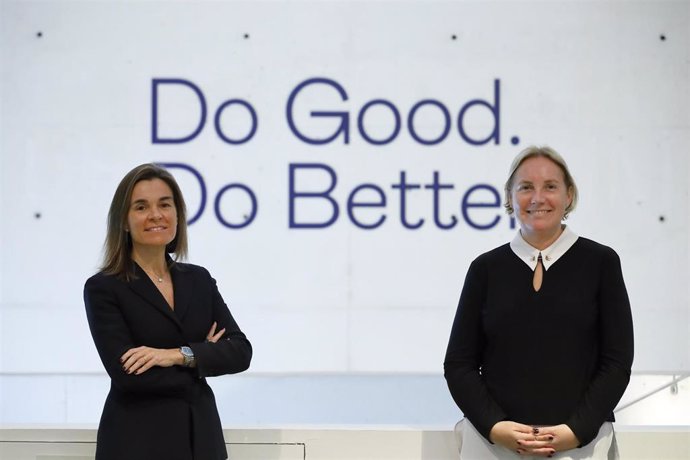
[
  {"x": 522, "y": 439},
  {"x": 214, "y": 336}
]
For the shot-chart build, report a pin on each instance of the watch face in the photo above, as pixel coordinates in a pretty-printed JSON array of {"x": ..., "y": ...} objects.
[{"x": 187, "y": 355}]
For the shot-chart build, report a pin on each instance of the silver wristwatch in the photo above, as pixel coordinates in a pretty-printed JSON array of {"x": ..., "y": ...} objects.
[{"x": 187, "y": 356}]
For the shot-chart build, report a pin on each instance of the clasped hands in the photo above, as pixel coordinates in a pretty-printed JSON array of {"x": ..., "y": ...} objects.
[
  {"x": 542, "y": 441},
  {"x": 140, "y": 359}
]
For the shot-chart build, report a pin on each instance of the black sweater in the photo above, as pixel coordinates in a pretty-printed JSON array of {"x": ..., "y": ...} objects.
[{"x": 559, "y": 355}]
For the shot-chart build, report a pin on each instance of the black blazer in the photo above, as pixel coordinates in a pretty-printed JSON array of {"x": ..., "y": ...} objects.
[{"x": 165, "y": 413}]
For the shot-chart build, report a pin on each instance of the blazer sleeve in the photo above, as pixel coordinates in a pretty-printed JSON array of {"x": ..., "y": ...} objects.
[
  {"x": 616, "y": 348},
  {"x": 464, "y": 354},
  {"x": 232, "y": 353},
  {"x": 112, "y": 338}
]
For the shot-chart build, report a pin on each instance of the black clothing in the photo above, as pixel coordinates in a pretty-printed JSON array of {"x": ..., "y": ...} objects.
[
  {"x": 167, "y": 412},
  {"x": 559, "y": 355}
]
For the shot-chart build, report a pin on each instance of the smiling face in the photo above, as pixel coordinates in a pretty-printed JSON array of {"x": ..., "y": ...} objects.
[
  {"x": 152, "y": 216},
  {"x": 540, "y": 196}
]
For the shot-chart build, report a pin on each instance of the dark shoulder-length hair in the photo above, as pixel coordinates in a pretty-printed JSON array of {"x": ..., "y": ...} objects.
[{"x": 117, "y": 258}]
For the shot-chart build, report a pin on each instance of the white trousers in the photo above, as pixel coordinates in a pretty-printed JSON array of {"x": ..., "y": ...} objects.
[{"x": 473, "y": 446}]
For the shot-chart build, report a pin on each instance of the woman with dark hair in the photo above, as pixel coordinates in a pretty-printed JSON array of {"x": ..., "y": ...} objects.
[
  {"x": 160, "y": 327},
  {"x": 541, "y": 347}
]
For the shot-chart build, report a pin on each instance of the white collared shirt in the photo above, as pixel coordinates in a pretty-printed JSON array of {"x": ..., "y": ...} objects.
[{"x": 529, "y": 254}]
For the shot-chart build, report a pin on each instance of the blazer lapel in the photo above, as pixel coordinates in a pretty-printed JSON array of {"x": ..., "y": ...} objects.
[
  {"x": 183, "y": 283},
  {"x": 145, "y": 288}
]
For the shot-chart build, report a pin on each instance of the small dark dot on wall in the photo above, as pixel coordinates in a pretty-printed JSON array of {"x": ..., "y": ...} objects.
[
  {"x": 39, "y": 34},
  {"x": 246, "y": 36},
  {"x": 37, "y": 215},
  {"x": 662, "y": 37},
  {"x": 245, "y": 217},
  {"x": 662, "y": 218},
  {"x": 454, "y": 37},
  {"x": 515, "y": 140}
]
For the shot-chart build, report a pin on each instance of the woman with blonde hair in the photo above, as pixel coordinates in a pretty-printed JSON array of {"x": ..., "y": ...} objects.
[{"x": 541, "y": 347}]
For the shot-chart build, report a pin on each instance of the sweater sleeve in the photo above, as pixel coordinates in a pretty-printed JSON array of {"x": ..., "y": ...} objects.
[
  {"x": 463, "y": 361},
  {"x": 232, "y": 353},
  {"x": 615, "y": 353}
]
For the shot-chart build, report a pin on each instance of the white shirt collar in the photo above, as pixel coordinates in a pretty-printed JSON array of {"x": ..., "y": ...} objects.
[{"x": 529, "y": 254}]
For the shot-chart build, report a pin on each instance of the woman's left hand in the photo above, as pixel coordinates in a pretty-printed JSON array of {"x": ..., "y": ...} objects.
[
  {"x": 563, "y": 437},
  {"x": 214, "y": 336},
  {"x": 139, "y": 360}
]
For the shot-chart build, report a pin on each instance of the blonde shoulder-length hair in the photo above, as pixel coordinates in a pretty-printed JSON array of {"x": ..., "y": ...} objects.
[{"x": 545, "y": 152}]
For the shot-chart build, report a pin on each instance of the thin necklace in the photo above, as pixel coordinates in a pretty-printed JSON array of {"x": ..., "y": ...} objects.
[{"x": 158, "y": 277}]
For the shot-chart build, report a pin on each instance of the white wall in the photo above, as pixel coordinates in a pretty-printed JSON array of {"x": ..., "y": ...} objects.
[
  {"x": 327, "y": 444},
  {"x": 595, "y": 80}
]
